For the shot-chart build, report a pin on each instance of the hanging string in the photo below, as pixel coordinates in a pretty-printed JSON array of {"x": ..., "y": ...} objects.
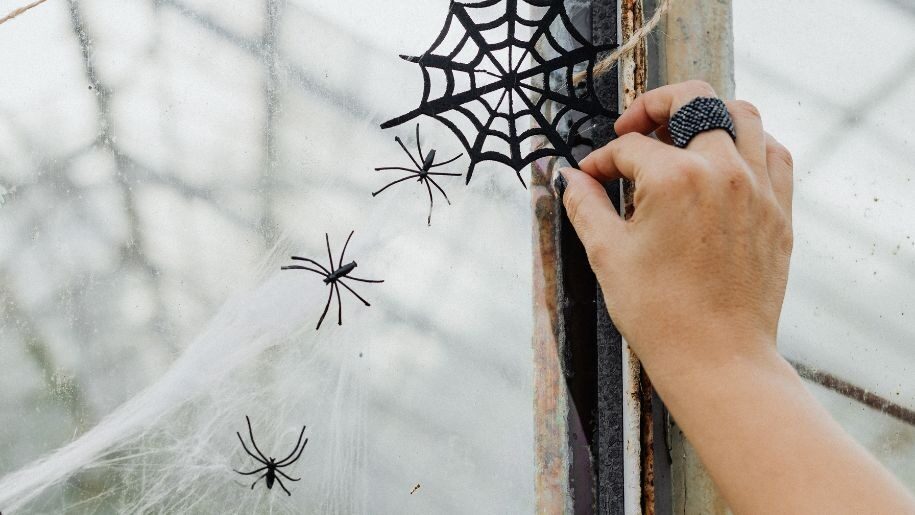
[
  {"x": 607, "y": 63},
  {"x": 17, "y": 12}
]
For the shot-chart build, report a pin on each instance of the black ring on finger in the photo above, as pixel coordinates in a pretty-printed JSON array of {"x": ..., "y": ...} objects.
[{"x": 700, "y": 115}]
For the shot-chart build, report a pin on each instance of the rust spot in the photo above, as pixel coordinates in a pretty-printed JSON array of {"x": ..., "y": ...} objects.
[
  {"x": 646, "y": 421},
  {"x": 550, "y": 414}
]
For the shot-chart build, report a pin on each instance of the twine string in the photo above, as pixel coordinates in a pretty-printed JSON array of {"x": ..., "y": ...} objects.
[
  {"x": 17, "y": 12},
  {"x": 607, "y": 63}
]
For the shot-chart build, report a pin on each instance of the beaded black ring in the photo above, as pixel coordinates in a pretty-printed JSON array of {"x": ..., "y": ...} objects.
[{"x": 699, "y": 115}]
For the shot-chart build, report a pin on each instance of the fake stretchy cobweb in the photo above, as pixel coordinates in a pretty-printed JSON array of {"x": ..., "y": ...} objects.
[{"x": 492, "y": 88}]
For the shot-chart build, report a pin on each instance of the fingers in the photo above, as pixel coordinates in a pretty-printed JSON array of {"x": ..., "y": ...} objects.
[
  {"x": 626, "y": 157},
  {"x": 654, "y": 108},
  {"x": 751, "y": 139},
  {"x": 652, "y": 111},
  {"x": 780, "y": 166},
  {"x": 592, "y": 214}
]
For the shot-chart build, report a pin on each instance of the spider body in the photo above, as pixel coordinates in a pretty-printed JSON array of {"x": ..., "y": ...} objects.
[
  {"x": 333, "y": 277},
  {"x": 271, "y": 467},
  {"x": 423, "y": 172},
  {"x": 340, "y": 273},
  {"x": 427, "y": 164}
]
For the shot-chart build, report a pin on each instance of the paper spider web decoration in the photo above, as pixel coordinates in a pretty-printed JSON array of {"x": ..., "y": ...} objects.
[{"x": 497, "y": 77}]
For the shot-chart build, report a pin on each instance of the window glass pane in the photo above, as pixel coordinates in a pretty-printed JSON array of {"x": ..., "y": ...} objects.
[
  {"x": 159, "y": 162},
  {"x": 839, "y": 105}
]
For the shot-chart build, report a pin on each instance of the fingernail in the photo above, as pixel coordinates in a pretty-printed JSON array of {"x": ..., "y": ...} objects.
[{"x": 559, "y": 184}]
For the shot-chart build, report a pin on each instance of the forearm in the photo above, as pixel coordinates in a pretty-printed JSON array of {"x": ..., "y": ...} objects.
[{"x": 769, "y": 446}]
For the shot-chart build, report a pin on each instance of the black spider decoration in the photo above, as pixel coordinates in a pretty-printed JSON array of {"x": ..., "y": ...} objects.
[
  {"x": 423, "y": 173},
  {"x": 487, "y": 74},
  {"x": 270, "y": 464},
  {"x": 333, "y": 277}
]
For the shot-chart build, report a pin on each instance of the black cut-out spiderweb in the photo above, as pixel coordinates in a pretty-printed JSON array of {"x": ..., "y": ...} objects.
[{"x": 474, "y": 60}]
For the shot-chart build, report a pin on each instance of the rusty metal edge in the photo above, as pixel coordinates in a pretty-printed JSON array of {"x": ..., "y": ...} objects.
[
  {"x": 639, "y": 443},
  {"x": 551, "y": 404},
  {"x": 854, "y": 392}
]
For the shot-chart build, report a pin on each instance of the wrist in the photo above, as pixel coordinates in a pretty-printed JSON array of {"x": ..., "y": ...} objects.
[{"x": 688, "y": 359}]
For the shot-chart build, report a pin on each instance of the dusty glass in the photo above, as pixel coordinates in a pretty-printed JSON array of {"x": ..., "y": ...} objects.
[
  {"x": 159, "y": 162},
  {"x": 833, "y": 81}
]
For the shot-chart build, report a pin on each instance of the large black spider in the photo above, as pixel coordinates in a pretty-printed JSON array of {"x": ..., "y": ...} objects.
[
  {"x": 270, "y": 464},
  {"x": 422, "y": 172},
  {"x": 333, "y": 277}
]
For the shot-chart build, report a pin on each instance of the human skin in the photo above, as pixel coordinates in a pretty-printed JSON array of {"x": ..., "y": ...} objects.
[{"x": 695, "y": 281}]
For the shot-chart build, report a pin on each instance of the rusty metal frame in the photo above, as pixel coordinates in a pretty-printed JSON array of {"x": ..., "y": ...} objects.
[{"x": 593, "y": 462}]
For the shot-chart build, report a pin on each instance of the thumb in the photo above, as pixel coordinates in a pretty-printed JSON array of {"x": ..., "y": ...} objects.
[{"x": 594, "y": 217}]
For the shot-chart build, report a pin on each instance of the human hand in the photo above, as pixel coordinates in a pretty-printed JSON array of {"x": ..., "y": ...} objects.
[
  {"x": 697, "y": 275},
  {"x": 695, "y": 281}
]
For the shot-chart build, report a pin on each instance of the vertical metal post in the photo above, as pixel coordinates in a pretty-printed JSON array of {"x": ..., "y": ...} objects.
[
  {"x": 578, "y": 376},
  {"x": 699, "y": 44},
  {"x": 638, "y": 416},
  {"x": 626, "y": 416}
]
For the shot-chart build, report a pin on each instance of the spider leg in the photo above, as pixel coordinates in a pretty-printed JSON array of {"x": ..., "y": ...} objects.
[
  {"x": 296, "y": 448},
  {"x": 391, "y": 184},
  {"x": 365, "y": 280},
  {"x": 399, "y": 142},
  {"x": 326, "y": 306},
  {"x": 284, "y": 463},
  {"x": 261, "y": 460},
  {"x": 418, "y": 146},
  {"x": 339, "y": 305},
  {"x": 354, "y": 293},
  {"x": 280, "y": 481},
  {"x": 443, "y": 163},
  {"x": 249, "y": 473},
  {"x": 329, "y": 255},
  {"x": 297, "y": 267},
  {"x": 431, "y": 203},
  {"x": 344, "y": 249},
  {"x": 312, "y": 261},
  {"x": 278, "y": 471},
  {"x": 256, "y": 480},
  {"x": 445, "y": 173},
  {"x": 395, "y": 168},
  {"x": 441, "y": 190},
  {"x": 251, "y": 434}
]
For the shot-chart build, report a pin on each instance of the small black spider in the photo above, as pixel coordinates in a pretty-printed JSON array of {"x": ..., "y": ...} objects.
[
  {"x": 270, "y": 464},
  {"x": 333, "y": 277},
  {"x": 422, "y": 172}
]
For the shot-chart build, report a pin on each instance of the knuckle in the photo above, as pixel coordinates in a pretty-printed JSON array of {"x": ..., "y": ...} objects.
[
  {"x": 692, "y": 168},
  {"x": 700, "y": 88},
  {"x": 739, "y": 180},
  {"x": 744, "y": 108},
  {"x": 683, "y": 175},
  {"x": 736, "y": 174},
  {"x": 782, "y": 155},
  {"x": 785, "y": 237}
]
